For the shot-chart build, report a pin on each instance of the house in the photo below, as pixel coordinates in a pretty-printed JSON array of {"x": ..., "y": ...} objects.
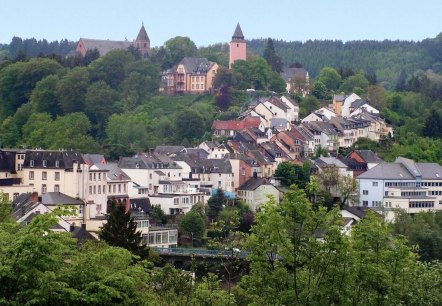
[
  {"x": 365, "y": 156},
  {"x": 361, "y": 105},
  {"x": 341, "y": 103},
  {"x": 255, "y": 192},
  {"x": 141, "y": 43},
  {"x": 350, "y": 129},
  {"x": 297, "y": 80},
  {"x": 277, "y": 107},
  {"x": 229, "y": 128},
  {"x": 191, "y": 75},
  {"x": 238, "y": 47},
  {"x": 293, "y": 114},
  {"x": 325, "y": 135},
  {"x": 322, "y": 114},
  {"x": 403, "y": 184}
]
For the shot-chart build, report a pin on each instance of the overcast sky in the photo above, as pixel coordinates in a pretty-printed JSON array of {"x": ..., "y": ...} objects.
[{"x": 208, "y": 22}]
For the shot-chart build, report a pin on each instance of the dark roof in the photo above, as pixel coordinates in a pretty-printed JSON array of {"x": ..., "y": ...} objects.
[
  {"x": 369, "y": 156},
  {"x": 140, "y": 205},
  {"x": 289, "y": 73},
  {"x": 58, "y": 198},
  {"x": 168, "y": 149},
  {"x": 82, "y": 234},
  {"x": 254, "y": 183},
  {"x": 149, "y": 160},
  {"x": 358, "y": 103},
  {"x": 196, "y": 65},
  {"x": 358, "y": 211},
  {"x": 278, "y": 103},
  {"x": 7, "y": 161},
  {"x": 238, "y": 35},
  {"x": 22, "y": 204},
  {"x": 113, "y": 172},
  {"x": 91, "y": 159},
  {"x": 104, "y": 46},
  {"x": 142, "y": 35},
  {"x": 65, "y": 159}
]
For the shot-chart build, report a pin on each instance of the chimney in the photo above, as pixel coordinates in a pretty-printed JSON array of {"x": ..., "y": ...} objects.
[{"x": 34, "y": 197}]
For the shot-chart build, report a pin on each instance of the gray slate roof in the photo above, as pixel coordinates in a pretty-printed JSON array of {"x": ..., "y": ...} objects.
[
  {"x": 104, "y": 46},
  {"x": 58, "y": 198},
  {"x": 289, "y": 73},
  {"x": 196, "y": 65},
  {"x": 142, "y": 35},
  {"x": 114, "y": 172},
  {"x": 369, "y": 156},
  {"x": 254, "y": 183},
  {"x": 238, "y": 35}
]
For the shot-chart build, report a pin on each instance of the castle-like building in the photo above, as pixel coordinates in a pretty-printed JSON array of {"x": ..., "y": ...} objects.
[
  {"x": 238, "y": 47},
  {"x": 142, "y": 43}
]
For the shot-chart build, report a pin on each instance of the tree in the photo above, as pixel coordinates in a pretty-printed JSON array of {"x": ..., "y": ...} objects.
[
  {"x": 157, "y": 214},
  {"x": 320, "y": 91},
  {"x": 177, "y": 48},
  {"x": 348, "y": 190},
  {"x": 43, "y": 97},
  {"x": 216, "y": 203},
  {"x": 271, "y": 57},
  {"x": 356, "y": 83},
  {"x": 290, "y": 173},
  {"x": 330, "y": 78},
  {"x": 71, "y": 90},
  {"x": 120, "y": 230},
  {"x": 433, "y": 124},
  {"x": 377, "y": 97},
  {"x": 111, "y": 68},
  {"x": 189, "y": 124},
  {"x": 192, "y": 223},
  {"x": 308, "y": 105}
]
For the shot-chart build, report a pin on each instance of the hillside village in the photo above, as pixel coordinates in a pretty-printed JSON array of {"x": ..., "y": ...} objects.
[{"x": 240, "y": 161}]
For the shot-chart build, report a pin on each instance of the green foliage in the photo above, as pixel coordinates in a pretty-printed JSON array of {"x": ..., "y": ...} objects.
[
  {"x": 330, "y": 78},
  {"x": 356, "y": 83},
  {"x": 177, "y": 48},
  {"x": 289, "y": 173},
  {"x": 271, "y": 57},
  {"x": 192, "y": 223},
  {"x": 71, "y": 90},
  {"x": 17, "y": 81},
  {"x": 308, "y": 105},
  {"x": 120, "y": 230},
  {"x": 216, "y": 203},
  {"x": 157, "y": 214}
]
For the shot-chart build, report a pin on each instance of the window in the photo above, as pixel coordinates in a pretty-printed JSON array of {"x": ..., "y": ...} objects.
[
  {"x": 19, "y": 167},
  {"x": 364, "y": 203},
  {"x": 114, "y": 188},
  {"x": 90, "y": 189},
  {"x": 57, "y": 164},
  {"x": 95, "y": 176},
  {"x": 45, "y": 163},
  {"x": 14, "y": 196},
  {"x": 109, "y": 189},
  {"x": 375, "y": 184},
  {"x": 32, "y": 163},
  {"x": 44, "y": 175},
  {"x": 31, "y": 175},
  {"x": 99, "y": 176},
  {"x": 124, "y": 188},
  {"x": 44, "y": 188},
  {"x": 80, "y": 209},
  {"x": 56, "y": 188},
  {"x": 90, "y": 176},
  {"x": 95, "y": 189},
  {"x": 119, "y": 188},
  {"x": 99, "y": 189},
  {"x": 57, "y": 176},
  {"x": 365, "y": 192}
]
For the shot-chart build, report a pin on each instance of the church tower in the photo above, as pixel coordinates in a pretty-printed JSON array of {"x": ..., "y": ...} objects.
[
  {"x": 238, "y": 46},
  {"x": 142, "y": 42}
]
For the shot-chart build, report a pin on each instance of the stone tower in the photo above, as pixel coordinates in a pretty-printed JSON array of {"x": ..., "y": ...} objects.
[
  {"x": 142, "y": 42},
  {"x": 238, "y": 46}
]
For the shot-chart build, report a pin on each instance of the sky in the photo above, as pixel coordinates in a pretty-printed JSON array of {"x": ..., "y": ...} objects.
[{"x": 208, "y": 22}]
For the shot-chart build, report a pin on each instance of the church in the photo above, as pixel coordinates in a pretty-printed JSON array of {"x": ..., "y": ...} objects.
[{"x": 142, "y": 43}]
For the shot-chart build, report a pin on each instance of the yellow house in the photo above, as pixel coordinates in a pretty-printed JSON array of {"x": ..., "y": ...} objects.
[{"x": 192, "y": 75}]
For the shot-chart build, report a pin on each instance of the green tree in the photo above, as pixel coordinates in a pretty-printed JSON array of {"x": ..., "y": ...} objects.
[
  {"x": 356, "y": 83},
  {"x": 71, "y": 90},
  {"x": 177, "y": 48},
  {"x": 308, "y": 105},
  {"x": 271, "y": 57},
  {"x": 43, "y": 97},
  {"x": 157, "y": 214},
  {"x": 189, "y": 124},
  {"x": 100, "y": 104},
  {"x": 192, "y": 223},
  {"x": 320, "y": 91},
  {"x": 433, "y": 124},
  {"x": 216, "y": 203},
  {"x": 120, "y": 230},
  {"x": 111, "y": 68},
  {"x": 290, "y": 173},
  {"x": 330, "y": 78}
]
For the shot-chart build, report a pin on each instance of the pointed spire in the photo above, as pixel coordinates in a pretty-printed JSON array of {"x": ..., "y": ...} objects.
[
  {"x": 142, "y": 35},
  {"x": 238, "y": 35}
]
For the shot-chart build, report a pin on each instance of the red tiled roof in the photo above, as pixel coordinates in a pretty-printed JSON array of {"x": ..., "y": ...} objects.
[{"x": 236, "y": 125}]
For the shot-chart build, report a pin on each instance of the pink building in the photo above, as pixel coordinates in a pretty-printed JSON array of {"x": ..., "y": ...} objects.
[{"x": 238, "y": 47}]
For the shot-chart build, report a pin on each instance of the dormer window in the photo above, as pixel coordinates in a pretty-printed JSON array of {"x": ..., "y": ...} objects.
[
  {"x": 31, "y": 163},
  {"x": 45, "y": 163},
  {"x": 57, "y": 163}
]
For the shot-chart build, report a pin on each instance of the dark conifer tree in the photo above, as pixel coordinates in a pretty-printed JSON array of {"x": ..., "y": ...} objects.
[
  {"x": 271, "y": 57},
  {"x": 121, "y": 230}
]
